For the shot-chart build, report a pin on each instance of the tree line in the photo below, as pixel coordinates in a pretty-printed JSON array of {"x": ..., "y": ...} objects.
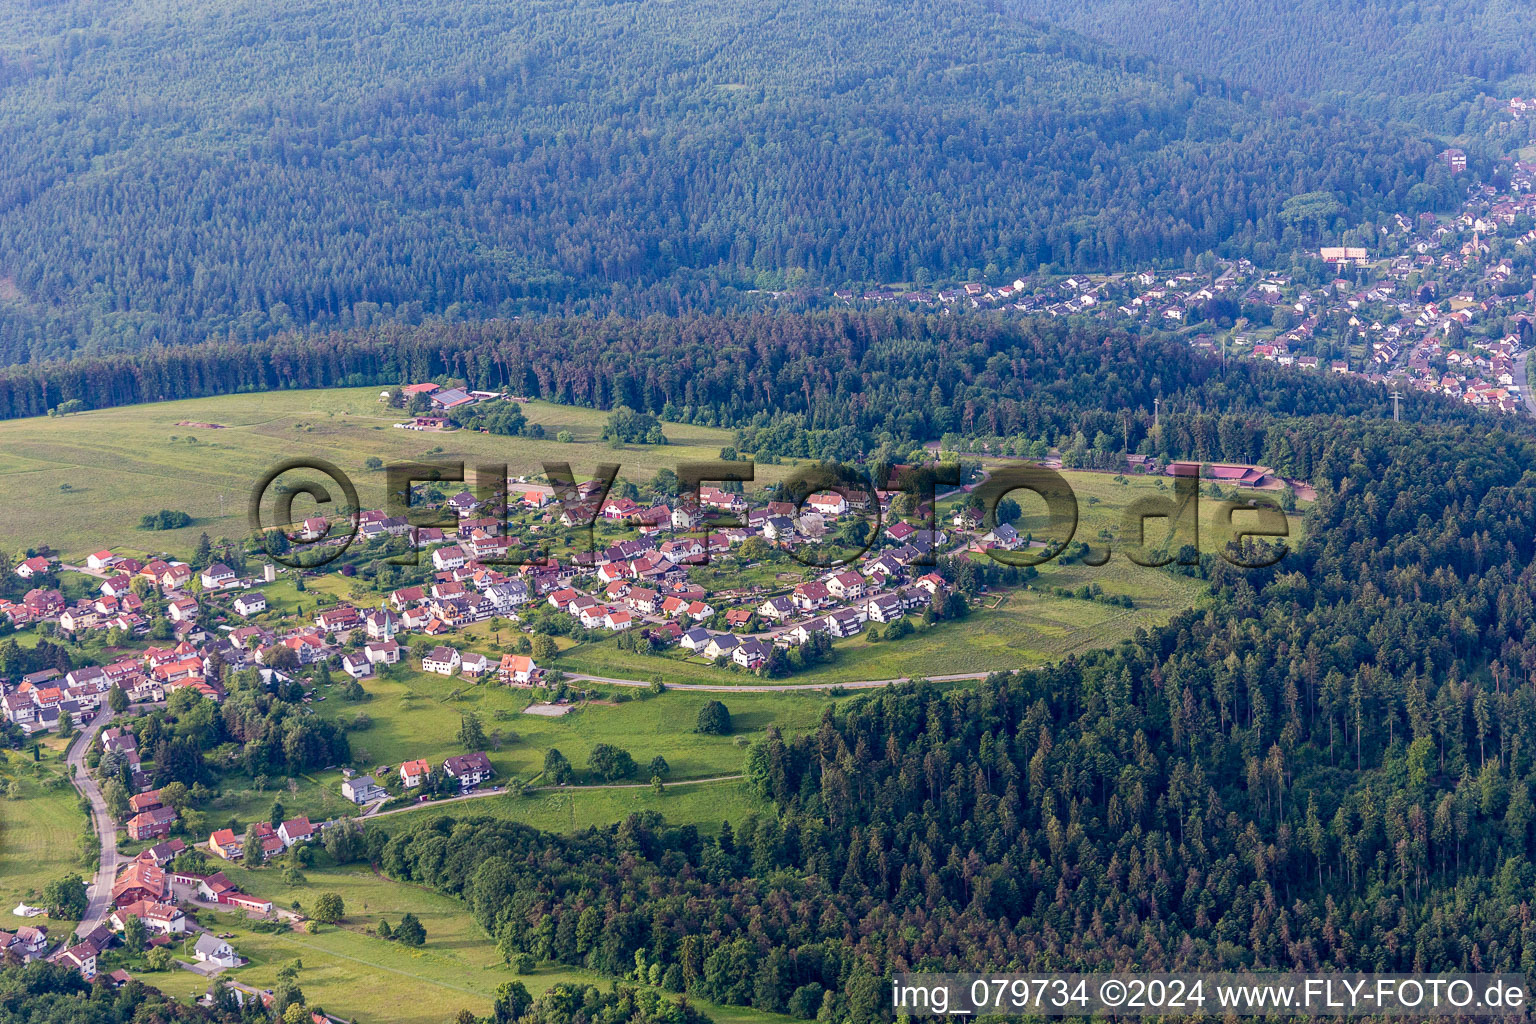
[{"x": 834, "y": 386}]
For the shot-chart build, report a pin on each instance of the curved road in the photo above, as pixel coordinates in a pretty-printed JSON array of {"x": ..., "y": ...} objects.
[
  {"x": 376, "y": 813},
  {"x": 106, "y": 829},
  {"x": 859, "y": 684}
]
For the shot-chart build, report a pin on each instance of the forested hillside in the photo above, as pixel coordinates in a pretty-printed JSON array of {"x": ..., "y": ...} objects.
[
  {"x": 1325, "y": 767},
  {"x": 174, "y": 171},
  {"x": 1380, "y": 58},
  {"x": 829, "y": 385}
]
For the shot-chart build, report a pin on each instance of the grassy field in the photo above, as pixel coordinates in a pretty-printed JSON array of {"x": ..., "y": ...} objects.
[
  {"x": 414, "y": 715},
  {"x": 121, "y": 463},
  {"x": 38, "y": 832},
  {"x": 358, "y": 975},
  {"x": 704, "y": 805}
]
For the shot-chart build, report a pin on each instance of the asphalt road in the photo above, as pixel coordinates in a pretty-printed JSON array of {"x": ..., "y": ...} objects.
[
  {"x": 106, "y": 829},
  {"x": 1524, "y": 384},
  {"x": 376, "y": 813},
  {"x": 861, "y": 684}
]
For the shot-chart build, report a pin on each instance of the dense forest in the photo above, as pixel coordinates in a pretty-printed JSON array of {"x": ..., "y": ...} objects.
[
  {"x": 831, "y": 385},
  {"x": 172, "y": 173},
  {"x": 1325, "y": 766},
  {"x": 1427, "y": 62}
]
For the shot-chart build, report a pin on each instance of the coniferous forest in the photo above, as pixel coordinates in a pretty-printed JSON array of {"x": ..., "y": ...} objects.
[
  {"x": 840, "y": 381},
  {"x": 171, "y": 173},
  {"x": 1430, "y": 63},
  {"x": 1321, "y": 765}
]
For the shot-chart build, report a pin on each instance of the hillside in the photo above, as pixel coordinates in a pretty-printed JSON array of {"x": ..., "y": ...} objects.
[
  {"x": 233, "y": 169},
  {"x": 1422, "y": 61}
]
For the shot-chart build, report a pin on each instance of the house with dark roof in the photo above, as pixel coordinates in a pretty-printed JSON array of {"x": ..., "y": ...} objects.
[{"x": 469, "y": 770}]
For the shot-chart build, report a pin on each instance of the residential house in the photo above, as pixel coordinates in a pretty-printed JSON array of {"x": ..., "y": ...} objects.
[
  {"x": 357, "y": 665},
  {"x": 158, "y": 918},
  {"x": 152, "y": 823},
  {"x": 211, "y": 950},
  {"x": 828, "y": 503},
  {"x": 342, "y": 619},
  {"x": 846, "y": 586},
  {"x": 386, "y": 652},
  {"x": 37, "y": 565},
  {"x": 81, "y": 957},
  {"x": 809, "y": 597},
  {"x": 751, "y": 654},
  {"x": 720, "y": 646},
  {"x": 181, "y": 609},
  {"x": 450, "y": 557},
  {"x": 414, "y": 773},
  {"x": 217, "y": 576},
  {"x": 884, "y": 608},
  {"x": 296, "y": 830},
  {"x": 363, "y": 789},
  {"x": 1000, "y": 536},
  {"x": 517, "y": 669},
  {"x": 225, "y": 844},
  {"x": 844, "y": 622},
  {"x": 250, "y": 604},
  {"x": 444, "y": 661},
  {"x": 695, "y": 639},
  {"x": 140, "y": 880},
  {"x": 469, "y": 770}
]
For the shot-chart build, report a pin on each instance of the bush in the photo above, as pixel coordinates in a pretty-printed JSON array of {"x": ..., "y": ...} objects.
[
  {"x": 165, "y": 519},
  {"x": 609, "y": 762},
  {"x": 714, "y": 719}
]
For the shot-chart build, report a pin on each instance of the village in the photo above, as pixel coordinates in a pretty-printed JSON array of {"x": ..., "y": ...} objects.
[
  {"x": 181, "y": 633},
  {"x": 1425, "y": 304}
]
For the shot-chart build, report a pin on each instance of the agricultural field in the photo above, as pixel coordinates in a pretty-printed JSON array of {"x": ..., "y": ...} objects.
[{"x": 82, "y": 482}]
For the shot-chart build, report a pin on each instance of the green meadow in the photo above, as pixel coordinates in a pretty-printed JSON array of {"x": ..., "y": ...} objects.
[
  {"x": 348, "y": 970},
  {"x": 39, "y": 831},
  {"x": 411, "y": 714},
  {"x": 82, "y": 482}
]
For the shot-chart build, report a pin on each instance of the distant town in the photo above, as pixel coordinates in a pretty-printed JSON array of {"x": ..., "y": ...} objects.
[{"x": 1426, "y": 304}]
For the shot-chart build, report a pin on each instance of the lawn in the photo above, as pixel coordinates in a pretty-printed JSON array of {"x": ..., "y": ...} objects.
[
  {"x": 118, "y": 464},
  {"x": 360, "y": 976},
  {"x": 39, "y": 833}
]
